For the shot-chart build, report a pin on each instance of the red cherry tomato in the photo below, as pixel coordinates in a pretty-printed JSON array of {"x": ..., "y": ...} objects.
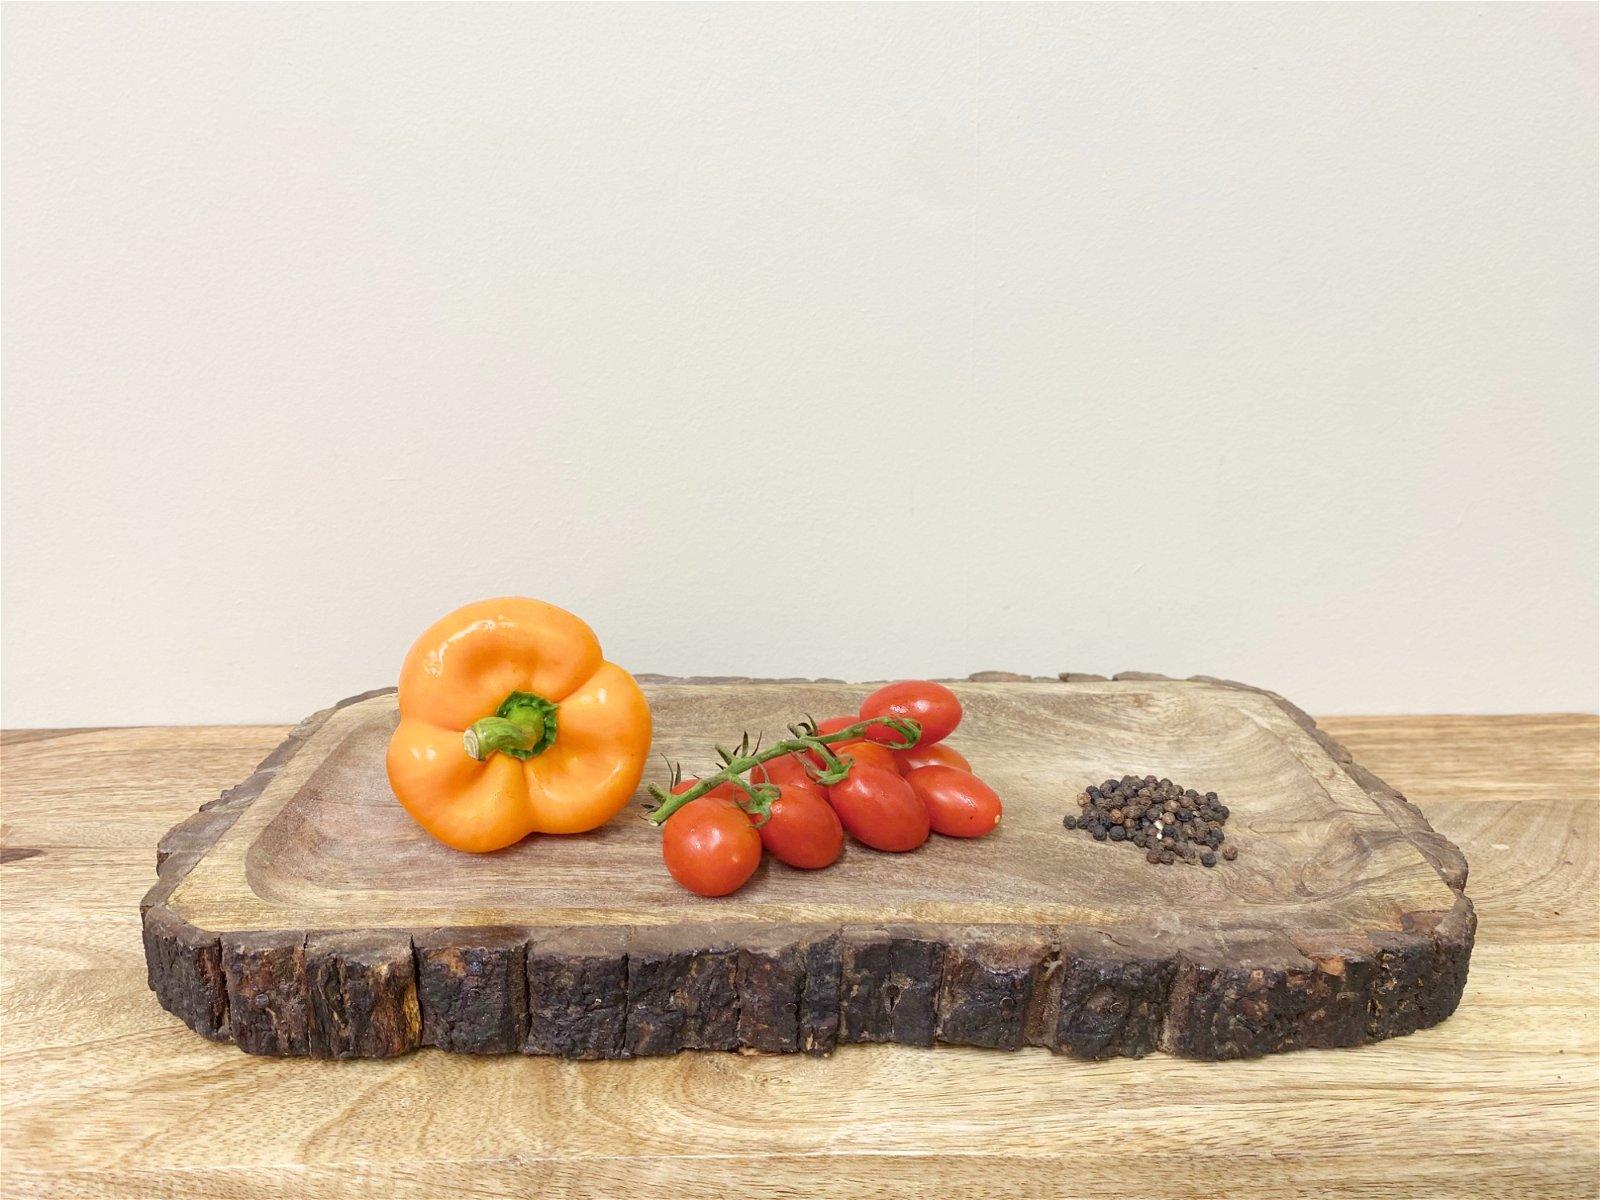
[
  {"x": 710, "y": 847},
  {"x": 959, "y": 804},
  {"x": 865, "y": 753},
  {"x": 788, "y": 771},
  {"x": 926, "y": 756},
  {"x": 880, "y": 809},
  {"x": 932, "y": 705},
  {"x": 802, "y": 829}
]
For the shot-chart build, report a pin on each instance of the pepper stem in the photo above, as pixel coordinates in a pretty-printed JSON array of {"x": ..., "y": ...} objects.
[{"x": 523, "y": 726}]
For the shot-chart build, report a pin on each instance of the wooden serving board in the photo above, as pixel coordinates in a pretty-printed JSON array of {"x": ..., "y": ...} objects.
[{"x": 303, "y": 912}]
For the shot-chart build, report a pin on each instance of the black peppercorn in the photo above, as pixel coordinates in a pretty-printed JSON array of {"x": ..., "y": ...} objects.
[{"x": 1168, "y": 822}]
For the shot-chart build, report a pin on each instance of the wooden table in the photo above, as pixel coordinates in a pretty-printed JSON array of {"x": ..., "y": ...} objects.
[{"x": 104, "y": 1094}]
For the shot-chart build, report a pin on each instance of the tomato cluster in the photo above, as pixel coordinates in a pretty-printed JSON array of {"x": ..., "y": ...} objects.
[{"x": 889, "y": 799}]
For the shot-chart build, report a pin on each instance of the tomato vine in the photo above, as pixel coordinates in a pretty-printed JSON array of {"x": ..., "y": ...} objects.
[{"x": 804, "y": 739}]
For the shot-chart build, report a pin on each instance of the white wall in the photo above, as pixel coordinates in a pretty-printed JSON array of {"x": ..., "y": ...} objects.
[{"x": 892, "y": 340}]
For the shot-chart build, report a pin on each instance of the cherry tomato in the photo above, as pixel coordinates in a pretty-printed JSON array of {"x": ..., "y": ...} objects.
[
  {"x": 907, "y": 761},
  {"x": 802, "y": 829},
  {"x": 865, "y": 753},
  {"x": 710, "y": 847},
  {"x": 933, "y": 705},
  {"x": 959, "y": 804},
  {"x": 880, "y": 809},
  {"x": 788, "y": 771}
]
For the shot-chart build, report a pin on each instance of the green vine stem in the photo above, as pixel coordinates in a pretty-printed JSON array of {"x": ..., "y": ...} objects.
[{"x": 759, "y": 796}]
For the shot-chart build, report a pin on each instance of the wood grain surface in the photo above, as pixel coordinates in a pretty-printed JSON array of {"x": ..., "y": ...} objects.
[
  {"x": 327, "y": 846},
  {"x": 1342, "y": 922},
  {"x": 104, "y": 1094}
]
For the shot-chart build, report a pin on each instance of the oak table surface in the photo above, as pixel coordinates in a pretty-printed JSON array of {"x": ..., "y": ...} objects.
[{"x": 104, "y": 1094}]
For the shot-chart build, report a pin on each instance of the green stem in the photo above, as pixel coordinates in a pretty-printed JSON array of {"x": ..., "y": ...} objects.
[
  {"x": 489, "y": 734},
  {"x": 735, "y": 765},
  {"x": 523, "y": 726}
]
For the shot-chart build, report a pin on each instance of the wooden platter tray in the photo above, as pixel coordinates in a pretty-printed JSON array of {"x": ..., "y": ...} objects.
[{"x": 303, "y": 913}]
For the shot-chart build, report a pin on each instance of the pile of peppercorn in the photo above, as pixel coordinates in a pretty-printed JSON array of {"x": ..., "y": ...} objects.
[{"x": 1169, "y": 823}]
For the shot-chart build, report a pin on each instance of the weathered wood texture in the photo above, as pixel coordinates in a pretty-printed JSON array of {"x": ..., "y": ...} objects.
[
  {"x": 103, "y": 1094},
  {"x": 325, "y": 924}
]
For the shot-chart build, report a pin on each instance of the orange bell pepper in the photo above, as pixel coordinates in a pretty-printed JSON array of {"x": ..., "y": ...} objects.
[{"x": 511, "y": 723}]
